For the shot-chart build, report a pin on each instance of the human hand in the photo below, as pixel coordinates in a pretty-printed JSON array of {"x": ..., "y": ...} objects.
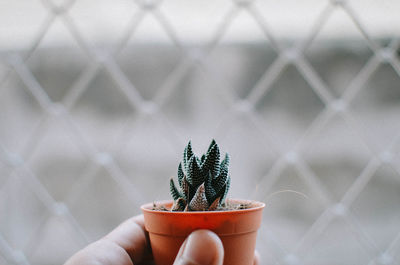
[{"x": 129, "y": 244}]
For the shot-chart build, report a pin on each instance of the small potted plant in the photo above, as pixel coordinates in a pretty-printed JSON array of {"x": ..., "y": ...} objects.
[{"x": 200, "y": 203}]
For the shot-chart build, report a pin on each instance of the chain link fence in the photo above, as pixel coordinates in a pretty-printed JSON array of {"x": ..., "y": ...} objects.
[{"x": 98, "y": 99}]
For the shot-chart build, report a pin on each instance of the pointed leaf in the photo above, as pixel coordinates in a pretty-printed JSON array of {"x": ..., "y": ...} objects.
[
  {"x": 226, "y": 189},
  {"x": 192, "y": 192},
  {"x": 174, "y": 191},
  {"x": 187, "y": 154},
  {"x": 184, "y": 158},
  {"x": 209, "y": 190},
  {"x": 189, "y": 150},
  {"x": 214, "y": 205},
  {"x": 213, "y": 142},
  {"x": 179, "y": 205},
  {"x": 186, "y": 189},
  {"x": 188, "y": 173},
  {"x": 225, "y": 162},
  {"x": 181, "y": 175},
  {"x": 195, "y": 173},
  {"x": 199, "y": 201},
  {"x": 219, "y": 182},
  {"x": 211, "y": 162}
]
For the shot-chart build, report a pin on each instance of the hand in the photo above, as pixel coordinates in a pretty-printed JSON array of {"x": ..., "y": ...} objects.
[{"x": 129, "y": 244}]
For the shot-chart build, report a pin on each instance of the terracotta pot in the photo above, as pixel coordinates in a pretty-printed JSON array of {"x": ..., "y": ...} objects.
[{"x": 237, "y": 230}]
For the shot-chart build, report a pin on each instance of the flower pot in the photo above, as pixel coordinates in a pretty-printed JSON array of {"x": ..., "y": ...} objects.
[{"x": 237, "y": 230}]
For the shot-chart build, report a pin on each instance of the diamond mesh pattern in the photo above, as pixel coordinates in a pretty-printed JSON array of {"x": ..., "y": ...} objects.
[{"x": 67, "y": 177}]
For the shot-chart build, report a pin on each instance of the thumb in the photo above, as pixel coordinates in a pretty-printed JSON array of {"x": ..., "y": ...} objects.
[{"x": 202, "y": 247}]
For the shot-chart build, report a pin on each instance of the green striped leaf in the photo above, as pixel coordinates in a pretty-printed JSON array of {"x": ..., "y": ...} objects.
[
  {"x": 187, "y": 154},
  {"x": 174, "y": 191},
  {"x": 226, "y": 189},
  {"x": 210, "y": 191},
  {"x": 219, "y": 182},
  {"x": 195, "y": 173},
  {"x": 181, "y": 175},
  {"x": 211, "y": 162}
]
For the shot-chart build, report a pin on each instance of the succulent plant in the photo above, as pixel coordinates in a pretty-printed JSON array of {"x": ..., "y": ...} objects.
[{"x": 204, "y": 182}]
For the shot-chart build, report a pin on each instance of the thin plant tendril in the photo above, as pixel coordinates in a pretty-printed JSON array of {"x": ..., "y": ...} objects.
[{"x": 282, "y": 191}]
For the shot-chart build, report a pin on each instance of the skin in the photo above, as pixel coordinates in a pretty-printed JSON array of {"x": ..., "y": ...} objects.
[{"x": 128, "y": 244}]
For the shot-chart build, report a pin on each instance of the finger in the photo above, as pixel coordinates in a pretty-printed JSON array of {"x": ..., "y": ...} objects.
[
  {"x": 101, "y": 252},
  {"x": 133, "y": 238},
  {"x": 202, "y": 247},
  {"x": 256, "y": 258}
]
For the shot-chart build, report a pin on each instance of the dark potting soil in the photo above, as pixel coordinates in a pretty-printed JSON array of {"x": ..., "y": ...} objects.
[{"x": 230, "y": 206}]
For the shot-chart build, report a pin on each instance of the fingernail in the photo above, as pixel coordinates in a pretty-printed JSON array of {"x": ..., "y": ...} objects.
[{"x": 197, "y": 250}]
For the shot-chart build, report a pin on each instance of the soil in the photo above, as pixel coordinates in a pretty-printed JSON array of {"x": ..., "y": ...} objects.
[{"x": 229, "y": 206}]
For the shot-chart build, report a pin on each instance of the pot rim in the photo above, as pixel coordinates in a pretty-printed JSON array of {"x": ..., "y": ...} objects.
[{"x": 258, "y": 206}]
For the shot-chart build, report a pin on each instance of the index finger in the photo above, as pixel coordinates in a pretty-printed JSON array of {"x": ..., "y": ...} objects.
[{"x": 133, "y": 238}]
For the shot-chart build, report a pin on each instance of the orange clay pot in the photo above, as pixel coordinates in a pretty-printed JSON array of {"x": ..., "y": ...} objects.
[{"x": 237, "y": 230}]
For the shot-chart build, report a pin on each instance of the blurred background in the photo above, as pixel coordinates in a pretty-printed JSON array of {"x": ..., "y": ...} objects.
[{"x": 99, "y": 98}]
